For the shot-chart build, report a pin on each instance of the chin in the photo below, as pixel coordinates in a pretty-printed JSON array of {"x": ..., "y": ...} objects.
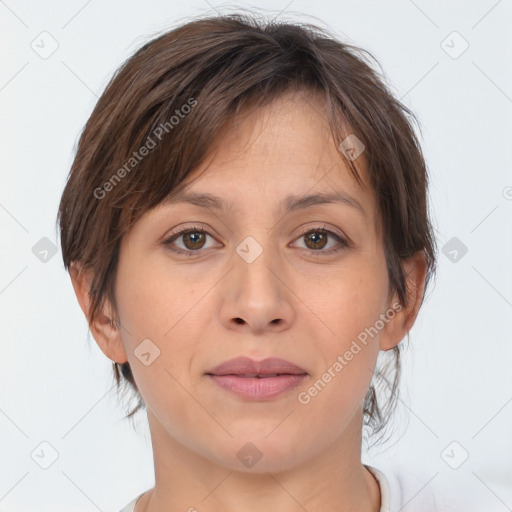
[{"x": 260, "y": 454}]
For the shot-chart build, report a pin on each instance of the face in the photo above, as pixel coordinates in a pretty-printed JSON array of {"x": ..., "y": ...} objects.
[{"x": 259, "y": 279}]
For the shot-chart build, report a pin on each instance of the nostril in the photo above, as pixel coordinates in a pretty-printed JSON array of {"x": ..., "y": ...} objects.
[{"x": 239, "y": 321}]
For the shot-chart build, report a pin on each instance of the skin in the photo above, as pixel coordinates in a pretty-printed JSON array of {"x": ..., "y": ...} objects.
[{"x": 291, "y": 302}]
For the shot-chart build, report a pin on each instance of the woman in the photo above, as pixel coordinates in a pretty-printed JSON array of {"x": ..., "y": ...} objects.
[{"x": 245, "y": 226}]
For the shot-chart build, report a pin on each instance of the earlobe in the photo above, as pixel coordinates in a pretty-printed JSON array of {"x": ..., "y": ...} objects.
[
  {"x": 396, "y": 329},
  {"x": 104, "y": 328}
]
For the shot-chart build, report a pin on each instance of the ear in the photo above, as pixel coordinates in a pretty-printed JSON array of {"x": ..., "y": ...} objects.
[
  {"x": 103, "y": 328},
  {"x": 397, "y": 327}
]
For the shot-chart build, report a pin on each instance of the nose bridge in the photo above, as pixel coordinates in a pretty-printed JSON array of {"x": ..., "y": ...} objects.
[
  {"x": 257, "y": 263},
  {"x": 257, "y": 295}
]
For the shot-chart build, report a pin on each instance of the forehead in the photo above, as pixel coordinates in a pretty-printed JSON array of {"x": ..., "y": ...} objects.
[{"x": 284, "y": 148}]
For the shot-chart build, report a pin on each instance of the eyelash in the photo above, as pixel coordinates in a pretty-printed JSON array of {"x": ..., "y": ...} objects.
[{"x": 343, "y": 242}]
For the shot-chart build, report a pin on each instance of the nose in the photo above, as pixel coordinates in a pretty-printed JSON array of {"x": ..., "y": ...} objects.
[{"x": 257, "y": 297}]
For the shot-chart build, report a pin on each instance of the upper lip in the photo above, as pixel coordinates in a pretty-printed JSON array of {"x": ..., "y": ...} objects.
[{"x": 250, "y": 367}]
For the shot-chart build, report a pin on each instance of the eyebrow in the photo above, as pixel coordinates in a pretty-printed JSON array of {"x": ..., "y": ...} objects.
[{"x": 290, "y": 203}]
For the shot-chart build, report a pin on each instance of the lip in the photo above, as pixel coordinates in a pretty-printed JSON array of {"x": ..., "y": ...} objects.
[
  {"x": 257, "y": 380},
  {"x": 248, "y": 367}
]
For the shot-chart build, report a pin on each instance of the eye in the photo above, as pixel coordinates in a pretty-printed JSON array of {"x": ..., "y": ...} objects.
[
  {"x": 317, "y": 239},
  {"x": 192, "y": 238}
]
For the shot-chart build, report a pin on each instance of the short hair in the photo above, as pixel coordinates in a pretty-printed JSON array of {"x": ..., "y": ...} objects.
[{"x": 175, "y": 94}]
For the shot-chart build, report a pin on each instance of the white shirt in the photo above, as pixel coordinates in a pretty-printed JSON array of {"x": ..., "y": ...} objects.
[
  {"x": 397, "y": 494},
  {"x": 404, "y": 493}
]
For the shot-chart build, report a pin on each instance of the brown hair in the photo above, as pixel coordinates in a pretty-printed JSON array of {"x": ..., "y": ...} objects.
[{"x": 177, "y": 92}]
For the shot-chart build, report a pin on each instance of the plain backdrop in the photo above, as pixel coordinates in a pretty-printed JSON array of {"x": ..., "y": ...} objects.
[{"x": 447, "y": 61}]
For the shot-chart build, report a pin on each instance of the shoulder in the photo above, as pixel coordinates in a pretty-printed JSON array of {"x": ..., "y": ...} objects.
[
  {"x": 404, "y": 492},
  {"x": 131, "y": 506}
]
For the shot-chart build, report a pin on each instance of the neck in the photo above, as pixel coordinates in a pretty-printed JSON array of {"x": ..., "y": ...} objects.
[{"x": 331, "y": 480}]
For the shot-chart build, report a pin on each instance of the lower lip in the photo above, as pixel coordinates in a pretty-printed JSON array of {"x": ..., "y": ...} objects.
[{"x": 253, "y": 388}]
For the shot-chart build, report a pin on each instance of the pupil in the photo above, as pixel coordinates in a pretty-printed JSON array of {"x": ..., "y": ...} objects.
[
  {"x": 317, "y": 238},
  {"x": 193, "y": 237}
]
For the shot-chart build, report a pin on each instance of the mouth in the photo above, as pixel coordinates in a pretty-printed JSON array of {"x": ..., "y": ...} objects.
[
  {"x": 257, "y": 380},
  {"x": 256, "y": 375}
]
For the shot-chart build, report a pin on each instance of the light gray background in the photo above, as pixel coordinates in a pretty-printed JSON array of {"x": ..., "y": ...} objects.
[{"x": 56, "y": 385}]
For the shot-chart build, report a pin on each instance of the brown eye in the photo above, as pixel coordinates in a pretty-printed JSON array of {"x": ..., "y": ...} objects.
[
  {"x": 193, "y": 239},
  {"x": 315, "y": 240},
  {"x": 318, "y": 239}
]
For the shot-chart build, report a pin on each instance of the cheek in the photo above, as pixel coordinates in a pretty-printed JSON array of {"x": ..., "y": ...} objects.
[
  {"x": 349, "y": 307},
  {"x": 157, "y": 315},
  {"x": 154, "y": 301},
  {"x": 350, "y": 300}
]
